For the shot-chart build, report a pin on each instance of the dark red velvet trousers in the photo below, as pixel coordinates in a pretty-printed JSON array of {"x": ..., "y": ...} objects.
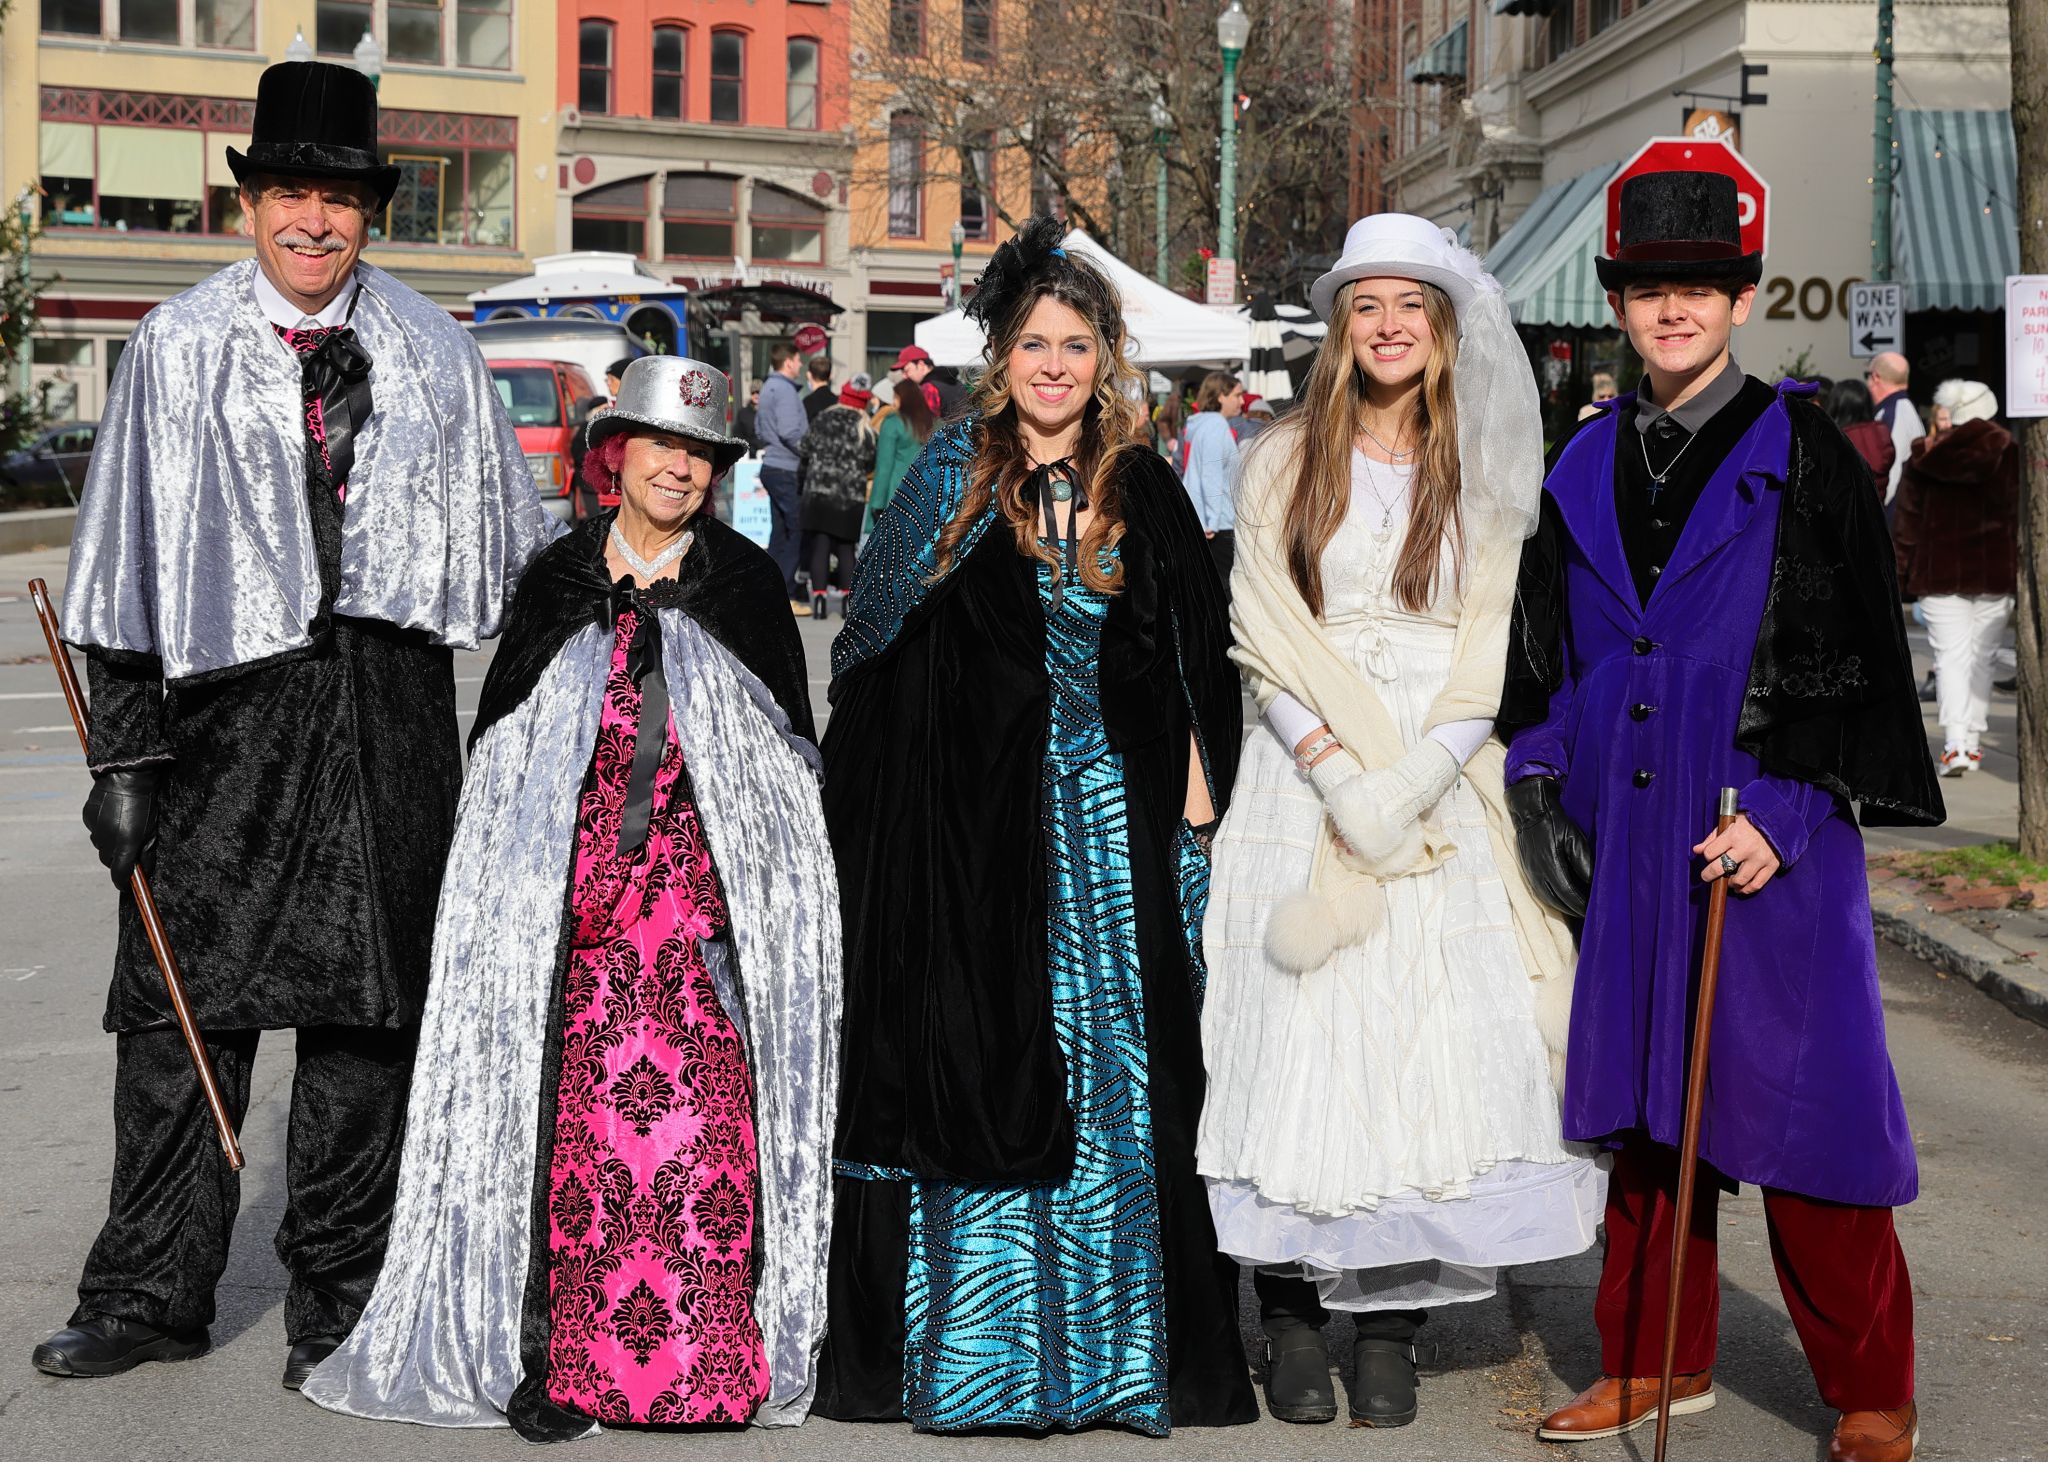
[{"x": 1840, "y": 1267}]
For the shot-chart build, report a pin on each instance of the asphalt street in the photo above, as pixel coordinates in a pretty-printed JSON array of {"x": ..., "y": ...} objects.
[{"x": 1975, "y": 1077}]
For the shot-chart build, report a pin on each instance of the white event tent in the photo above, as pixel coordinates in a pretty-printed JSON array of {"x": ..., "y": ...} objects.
[{"x": 1166, "y": 329}]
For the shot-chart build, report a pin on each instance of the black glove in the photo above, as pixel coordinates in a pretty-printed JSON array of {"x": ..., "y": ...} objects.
[
  {"x": 120, "y": 813},
  {"x": 1556, "y": 854}
]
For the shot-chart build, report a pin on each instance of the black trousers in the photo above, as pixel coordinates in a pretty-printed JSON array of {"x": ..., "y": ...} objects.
[
  {"x": 818, "y": 551},
  {"x": 172, "y": 1210},
  {"x": 1289, "y": 1297},
  {"x": 1223, "y": 553}
]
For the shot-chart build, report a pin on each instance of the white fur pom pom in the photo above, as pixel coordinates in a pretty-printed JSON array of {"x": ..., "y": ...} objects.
[{"x": 1301, "y": 932}]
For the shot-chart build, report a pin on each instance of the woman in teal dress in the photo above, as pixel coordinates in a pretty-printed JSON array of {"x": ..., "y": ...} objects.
[
  {"x": 900, "y": 437},
  {"x": 1034, "y": 725}
]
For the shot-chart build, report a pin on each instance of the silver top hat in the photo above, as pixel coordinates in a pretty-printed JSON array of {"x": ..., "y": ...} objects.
[{"x": 673, "y": 393}]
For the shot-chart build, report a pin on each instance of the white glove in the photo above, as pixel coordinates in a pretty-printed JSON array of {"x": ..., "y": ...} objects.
[{"x": 1378, "y": 814}]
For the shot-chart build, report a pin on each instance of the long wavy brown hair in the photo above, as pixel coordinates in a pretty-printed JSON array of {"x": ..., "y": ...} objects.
[
  {"x": 1334, "y": 405},
  {"x": 1113, "y": 425}
]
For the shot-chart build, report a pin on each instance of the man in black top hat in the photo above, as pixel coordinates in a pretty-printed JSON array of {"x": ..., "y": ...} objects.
[
  {"x": 1708, "y": 602},
  {"x": 304, "y": 493}
]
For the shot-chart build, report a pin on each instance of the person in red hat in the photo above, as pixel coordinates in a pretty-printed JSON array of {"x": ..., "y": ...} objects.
[{"x": 944, "y": 397}]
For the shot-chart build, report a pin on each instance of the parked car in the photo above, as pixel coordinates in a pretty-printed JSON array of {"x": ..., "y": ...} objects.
[
  {"x": 549, "y": 401},
  {"x": 590, "y": 344},
  {"x": 50, "y": 471}
]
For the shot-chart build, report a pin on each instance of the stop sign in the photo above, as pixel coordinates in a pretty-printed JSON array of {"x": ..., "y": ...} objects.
[{"x": 1693, "y": 155}]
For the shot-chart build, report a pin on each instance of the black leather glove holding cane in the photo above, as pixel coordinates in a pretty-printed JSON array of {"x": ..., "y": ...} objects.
[
  {"x": 1556, "y": 854},
  {"x": 120, "y": 813}
]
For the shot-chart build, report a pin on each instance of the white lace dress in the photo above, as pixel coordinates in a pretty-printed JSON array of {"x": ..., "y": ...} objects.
[{"x": 1385, "y": 1125}]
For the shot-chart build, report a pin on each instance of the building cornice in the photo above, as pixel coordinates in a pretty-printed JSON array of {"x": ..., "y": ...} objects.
[
  {"x": 597, "y": 134},
  {"x": 1618, "y": 47}
]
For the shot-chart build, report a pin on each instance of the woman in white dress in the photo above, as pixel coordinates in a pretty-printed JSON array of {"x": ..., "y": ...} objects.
[{"x": 1386, "y": 998}]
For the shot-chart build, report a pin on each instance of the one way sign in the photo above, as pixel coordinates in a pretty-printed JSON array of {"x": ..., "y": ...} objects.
[{"x": 1876, "y": 318}]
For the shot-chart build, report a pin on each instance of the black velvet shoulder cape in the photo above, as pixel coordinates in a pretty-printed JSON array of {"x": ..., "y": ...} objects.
[
  {"x": 933, "y": 789},
  {"x": 724, "y": 582},
  {"x": 1831, "y": 697}
]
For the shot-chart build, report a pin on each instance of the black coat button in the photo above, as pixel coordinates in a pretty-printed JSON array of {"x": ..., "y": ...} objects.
[
  {"x": 1642, "y": 646},
  {"x": 1643, "y": 778},
  {"x": 1640, "y": 712}
]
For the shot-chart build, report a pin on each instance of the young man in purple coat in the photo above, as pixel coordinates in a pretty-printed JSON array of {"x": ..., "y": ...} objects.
[{"x": 1709, "y": 602}]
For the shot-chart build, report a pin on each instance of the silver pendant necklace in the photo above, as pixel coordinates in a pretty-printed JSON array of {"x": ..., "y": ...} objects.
[
  {"x": 650, "y": 569},
  {"x": 1386, "y": 503},
  {"x": 1392, "y": 455},
  {"x": 1656, "y": 477}
]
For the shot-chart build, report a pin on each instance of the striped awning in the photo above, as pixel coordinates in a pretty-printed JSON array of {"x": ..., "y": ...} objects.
[
  {"x": 1445, "y": 58},
  {"x": 1545, "y": 262},
  {"x": 1955, "y": 219}
]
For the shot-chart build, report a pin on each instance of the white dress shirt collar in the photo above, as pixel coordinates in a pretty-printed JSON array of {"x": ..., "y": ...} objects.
[{"x": 282, "y": 313}]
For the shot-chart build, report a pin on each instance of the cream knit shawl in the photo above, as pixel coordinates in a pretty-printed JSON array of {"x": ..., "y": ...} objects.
[{"x": 1282, "y": 646}]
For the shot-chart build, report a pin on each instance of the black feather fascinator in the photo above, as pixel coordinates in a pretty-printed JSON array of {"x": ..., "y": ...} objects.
[{"x": 1022, "y": 261}]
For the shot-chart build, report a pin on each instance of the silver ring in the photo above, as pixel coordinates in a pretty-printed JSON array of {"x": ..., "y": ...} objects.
[{"x": 1728, "y": 864}]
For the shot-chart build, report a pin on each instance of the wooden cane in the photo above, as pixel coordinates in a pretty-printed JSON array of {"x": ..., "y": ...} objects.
[
  {"x": 1695, "y": 1102},
  {"x": 145, "y": 901}
]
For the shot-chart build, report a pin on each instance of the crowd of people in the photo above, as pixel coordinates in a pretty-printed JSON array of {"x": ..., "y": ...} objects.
[{"x": 674, "y": 1064}]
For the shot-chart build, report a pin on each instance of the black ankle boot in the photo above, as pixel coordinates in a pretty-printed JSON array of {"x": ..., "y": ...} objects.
[
  {"x": 105, "y": 1345},
  {"x": 1298, "y": 1384},
  {"x": 1382, "y": 1382}
]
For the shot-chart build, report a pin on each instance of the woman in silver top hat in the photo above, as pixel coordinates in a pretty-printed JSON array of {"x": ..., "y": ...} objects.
[{"x": 615, "y": 1193}]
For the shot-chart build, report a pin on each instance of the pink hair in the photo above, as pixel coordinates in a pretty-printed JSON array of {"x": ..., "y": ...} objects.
[{"x": 602, "y": 462}]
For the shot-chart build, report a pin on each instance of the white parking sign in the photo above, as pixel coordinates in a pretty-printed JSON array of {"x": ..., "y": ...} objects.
[{"x": 1877, "y": 319}]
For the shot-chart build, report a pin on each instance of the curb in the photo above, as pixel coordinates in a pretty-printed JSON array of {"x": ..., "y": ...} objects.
[
  {"x": 35, "y": 528},
  {"x": 2011, "y": 981}
]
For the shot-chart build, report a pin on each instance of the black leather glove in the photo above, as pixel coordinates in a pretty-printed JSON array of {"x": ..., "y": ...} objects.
[
  {"x": 120, "y": 813},
  {"x": 1556, "y": 854}
]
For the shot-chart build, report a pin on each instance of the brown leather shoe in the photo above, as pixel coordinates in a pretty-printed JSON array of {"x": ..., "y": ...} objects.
[
  {"x": 1876, "y": 1436},
  {"x": 1613, "y": 1405}
]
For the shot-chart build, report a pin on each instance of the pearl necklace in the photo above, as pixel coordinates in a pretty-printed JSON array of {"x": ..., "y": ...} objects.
[{"x": 648, "y": 569}]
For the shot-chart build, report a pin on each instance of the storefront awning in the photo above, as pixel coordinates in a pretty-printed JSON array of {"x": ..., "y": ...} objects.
[
  {"x": 1545, "y": 262},
  {"x": 1446, "y": 57},
  {"x": 1955, "y": 223}
]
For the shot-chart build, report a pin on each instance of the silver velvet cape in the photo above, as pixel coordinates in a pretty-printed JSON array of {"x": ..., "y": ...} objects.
[
  {"x": 439, "y": 1342},
  {"x": 193, "y": 540}
]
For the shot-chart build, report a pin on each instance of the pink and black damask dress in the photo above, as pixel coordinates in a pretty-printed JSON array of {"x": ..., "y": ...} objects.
[{"x": 652, "y": 1179}]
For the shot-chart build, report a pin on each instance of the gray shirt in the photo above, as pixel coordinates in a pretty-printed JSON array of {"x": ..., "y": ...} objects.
[
  {"x": 781, "y": 422},
  {"x": 1695, "y": 413}
]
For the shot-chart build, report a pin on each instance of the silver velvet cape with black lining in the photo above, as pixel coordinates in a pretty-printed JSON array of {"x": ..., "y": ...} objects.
[{"x": 440, "y": 1341}]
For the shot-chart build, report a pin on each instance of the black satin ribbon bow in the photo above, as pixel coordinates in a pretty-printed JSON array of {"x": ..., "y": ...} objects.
[
  {"x": 337, "y": 372},
  {"x": 1040, "y": 486},
  {"x": 650, "y": 733}
]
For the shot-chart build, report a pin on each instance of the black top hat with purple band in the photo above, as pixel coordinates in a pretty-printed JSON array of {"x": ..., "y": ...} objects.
[
  {"x": 315, "y": 120},
  {"x": 1679, "y": 226}
]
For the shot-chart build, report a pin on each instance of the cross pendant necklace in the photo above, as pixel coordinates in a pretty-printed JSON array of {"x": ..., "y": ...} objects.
[{"x": 1657, "y": 478}]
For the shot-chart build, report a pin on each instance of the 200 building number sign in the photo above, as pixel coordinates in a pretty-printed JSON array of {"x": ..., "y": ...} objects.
[{"x": 1815, "y": 298}]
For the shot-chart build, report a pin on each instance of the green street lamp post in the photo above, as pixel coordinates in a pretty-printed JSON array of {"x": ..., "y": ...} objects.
[
  {"x": 369, "y": 58},
  {"x": 1882, "y": 148},
  {"x": 1233, "y": 28},
  {"x": 1162, "y": 119},
  {"x": 959, "y": 237}
]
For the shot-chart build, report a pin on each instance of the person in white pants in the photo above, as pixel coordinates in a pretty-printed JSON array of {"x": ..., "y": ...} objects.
[{"x": 1956, "y": 536}]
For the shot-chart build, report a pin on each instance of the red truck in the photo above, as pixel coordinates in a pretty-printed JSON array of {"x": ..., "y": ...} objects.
[{"x": 549, "y": 401}]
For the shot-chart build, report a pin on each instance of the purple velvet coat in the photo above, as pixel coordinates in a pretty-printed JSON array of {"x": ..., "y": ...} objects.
[{"x": 1800, "y": 1089}]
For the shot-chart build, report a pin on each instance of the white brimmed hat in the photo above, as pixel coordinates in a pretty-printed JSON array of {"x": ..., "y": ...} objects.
[
  {"x": 673, "y": 393},
  {"x": 1401, "y": 246}
]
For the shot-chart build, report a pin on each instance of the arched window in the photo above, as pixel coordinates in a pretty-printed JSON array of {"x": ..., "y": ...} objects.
[
  {"x": 699, "y": 212},
  {"x": 594, "y": 66},
  {"x": 785, "y": 228},
  {"x": 612, "y": 217},
  {"x": 728, "y": 76},
  {"x": 906, "y": 176},
  {"x": 803, "y": 83},
  {"x": 670, "y": 42}
]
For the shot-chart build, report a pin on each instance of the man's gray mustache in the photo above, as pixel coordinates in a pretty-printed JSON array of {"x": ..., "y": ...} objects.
[{"x": 300, "y": 241}]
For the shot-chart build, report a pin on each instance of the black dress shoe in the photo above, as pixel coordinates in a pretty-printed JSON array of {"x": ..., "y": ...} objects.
[
  {"x": 105, "y": 1345},
  {"x": 2008, "y": 685},
  {"x": 308, "y": 1353},
  {"x": 1927, "y": 691},
  {"x": 1298, "y": 1385},
  {"x": 1382, "y": 1382}
]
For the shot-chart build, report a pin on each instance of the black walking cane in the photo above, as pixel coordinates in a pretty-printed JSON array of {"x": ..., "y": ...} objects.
[
  {"x": 1695, "y": 1101},
  {"x": 145, "y": 901}
]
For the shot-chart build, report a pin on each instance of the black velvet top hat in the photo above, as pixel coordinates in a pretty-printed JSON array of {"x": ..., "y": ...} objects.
[
  {"x": 315, "y": 120},
  {"x": 1679, "y": 226}
]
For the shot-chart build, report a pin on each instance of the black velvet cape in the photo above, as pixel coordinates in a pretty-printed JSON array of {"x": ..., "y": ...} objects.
[
  {"x": 1831, "y": 696},
  {"x": 933, "y": 796},
  {"x": 731, "y": 588},
  {"x": 724, "y": 582}
]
